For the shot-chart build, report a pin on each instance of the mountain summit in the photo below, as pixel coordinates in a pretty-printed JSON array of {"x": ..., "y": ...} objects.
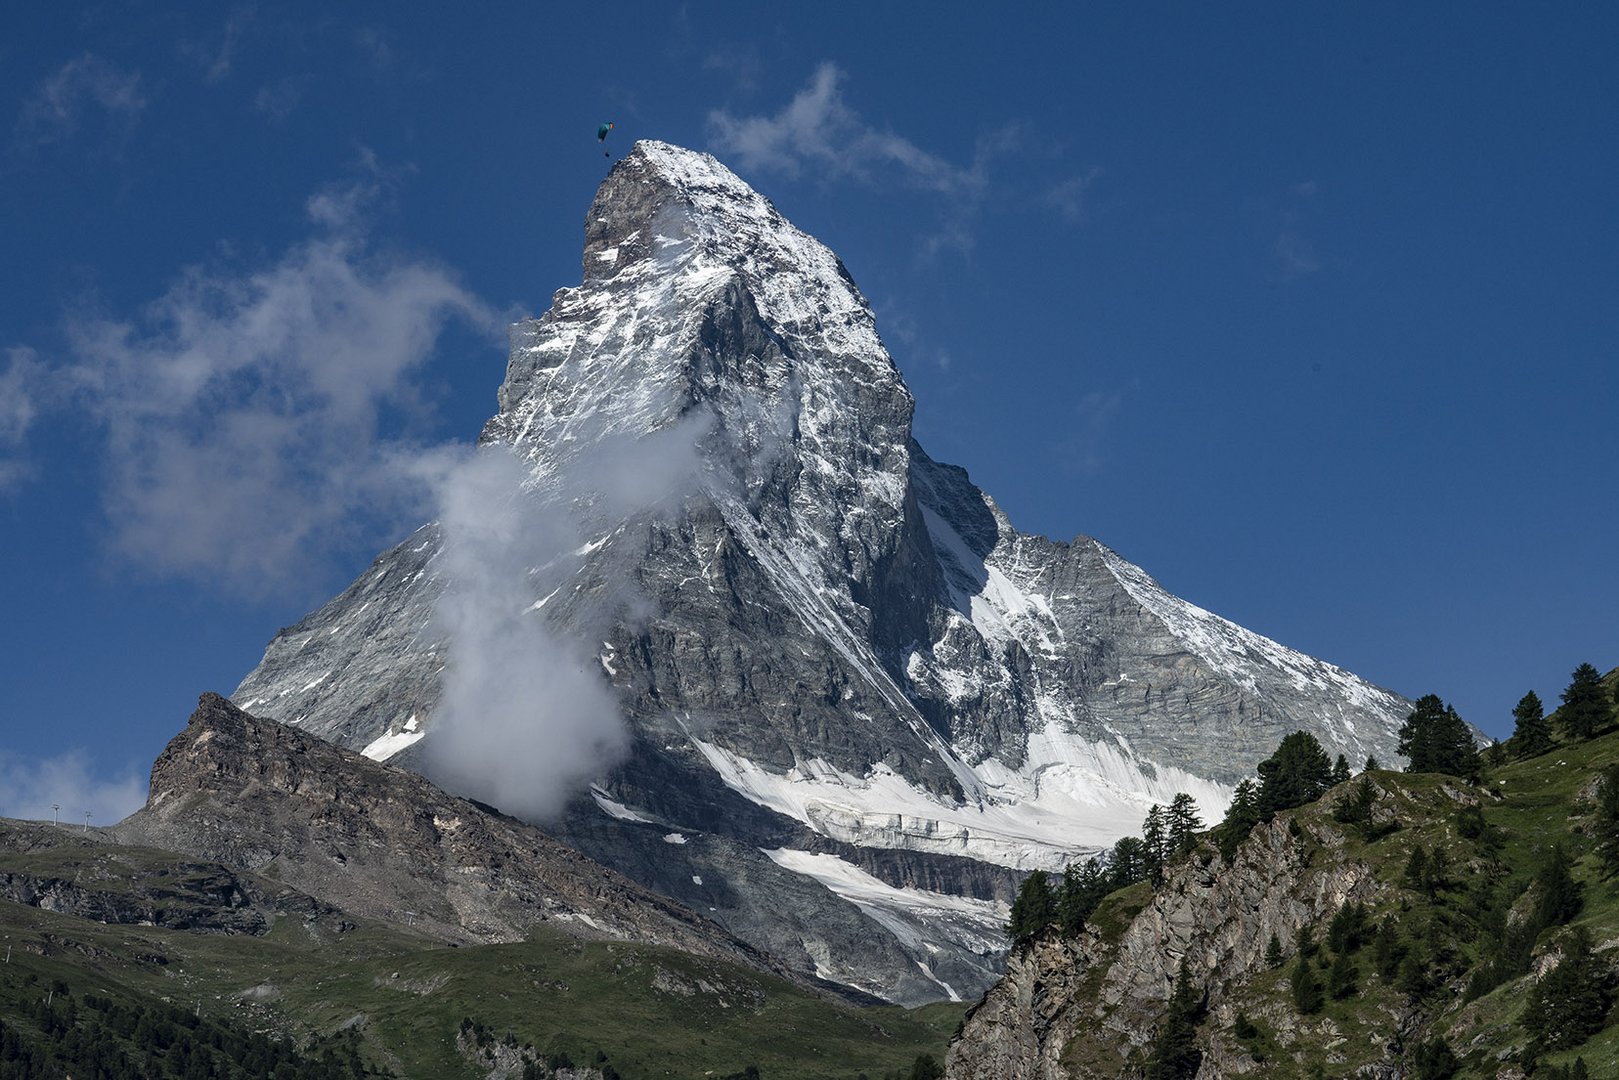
[{"x": 858, "y": 701}]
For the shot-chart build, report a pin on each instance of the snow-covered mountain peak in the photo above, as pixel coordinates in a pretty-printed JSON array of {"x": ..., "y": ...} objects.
[
  {"x": 850, "y": 679},
  {"x": 700, "y": 299}
]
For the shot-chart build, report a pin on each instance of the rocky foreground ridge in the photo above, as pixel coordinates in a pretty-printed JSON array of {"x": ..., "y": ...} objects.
[
  {"x": 381, "y": 843},
  {"x": 860, "y": 703}
]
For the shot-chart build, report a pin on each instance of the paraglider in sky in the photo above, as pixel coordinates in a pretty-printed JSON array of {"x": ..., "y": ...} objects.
[{"x": 601, "y": 135}]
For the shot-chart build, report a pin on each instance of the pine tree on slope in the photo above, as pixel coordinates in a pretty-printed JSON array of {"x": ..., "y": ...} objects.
[
  {"x": 1585, "y": 706},
  {"x": 1435, "y": 739},
  {"x": 1175, "y": 1055},
  {"x": 1532, "y": 734},
  {"x": 1296, "y": 774}
]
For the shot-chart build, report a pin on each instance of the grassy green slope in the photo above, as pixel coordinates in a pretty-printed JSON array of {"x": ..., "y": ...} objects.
[
  {"x": 652, "y": 1011},
  {"x": 1528, "y": 806}
]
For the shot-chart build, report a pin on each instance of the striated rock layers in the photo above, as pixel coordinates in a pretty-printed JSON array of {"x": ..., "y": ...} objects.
[{"x": 860, "y": 703}]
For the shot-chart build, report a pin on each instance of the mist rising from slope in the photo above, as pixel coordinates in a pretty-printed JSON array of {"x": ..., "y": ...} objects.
[{"x": 527, "y": 714}]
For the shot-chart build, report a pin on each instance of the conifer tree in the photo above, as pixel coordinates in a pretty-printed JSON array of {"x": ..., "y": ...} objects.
[
  {"x": 1297, "y": 773},
  {"x": 1239, "y": 820},
  {"x": 1175, "y": 1055},
  {"x": 1347, "y": 931},
  {"x": 1033, "y": 910},
  {"x": 1412, "y": 978},
  {"x": 1155, "y": 844},
  {"x": 1371, "y": 763},
  {"x": 1568, "y": 1005},
  {"x": 1273, "y": 951},
  {"x": 1340, "y": 770},
  {"x": 1344, "y": 978},
  {"x": 1308, "y": 997},
  {"x": 1387, "y": 949},
  {"x": 1560, "y": 896},
  {"x": 1605, "y": 821},
  {"x": 1184, "y": 822},
  {"x": 1354, "y": 807},
  {"x": 1433, "y": 1059},
  {"x": 1128, "y": 863},
  {"x": 1531, "y": 733},
  {"x": 1585, "y": 706},
  {"x": 1435, "y": 739},
  {"x": 1083, "y": 887},
  {"x": 1415, "y": 876}
]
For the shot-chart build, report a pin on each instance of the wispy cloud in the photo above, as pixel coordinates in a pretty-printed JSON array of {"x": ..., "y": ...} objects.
[
  {"x": 276, "y": 101},
  {"x": 217, "y": 55},
  {"x": 244, "y": 413},
  {"x": 1070, "y": 197},
  {"x": 22, "y": 383},
  {"x": 30, "y": 786},
  {"x": 818, "y": 131},
  {"x": 376, "y": 49},
  {"x": 1295, "y": 255},
  {"x": 526, "y": 712},
  {"x": 82, "y": 85}
]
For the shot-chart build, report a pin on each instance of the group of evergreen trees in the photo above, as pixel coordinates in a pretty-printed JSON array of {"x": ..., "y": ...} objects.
[
  {"x": 1588, "y": 710},
  {"x": 1434, "y": 738},
  {"x": 1167, "y": 833},
  {"x": 59, "y": 1033}
]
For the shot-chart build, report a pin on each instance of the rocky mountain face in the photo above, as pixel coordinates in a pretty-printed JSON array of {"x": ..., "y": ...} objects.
[
  {"x": 373, "y": 841},
  {"x": 860, "y": 703},
  {"x": 1089, "y": 1006}
]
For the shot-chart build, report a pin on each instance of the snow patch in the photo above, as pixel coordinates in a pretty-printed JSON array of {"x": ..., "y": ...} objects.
[
  {"x": 911, "y": 915},
  {"x": 615, "y": 809},
  {"x": 386, "y": 746},
  {"x": 1070, "y": 799}
]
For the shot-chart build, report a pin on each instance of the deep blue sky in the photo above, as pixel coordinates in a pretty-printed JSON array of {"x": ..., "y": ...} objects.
[{"x": 1313, "y": 314}]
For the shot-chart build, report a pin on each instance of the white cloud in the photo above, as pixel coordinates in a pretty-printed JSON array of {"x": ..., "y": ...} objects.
[
  {"x": 818, "y": 131},
  {"x": 244, "y": 412},
  {"x": 1069, "y": 197},
  {"x": 527, "y": 714},
  {"x": 1294, "y": 254},
  {"x": 217, "y": 56},
  {"x": 22, "y": 385},
  {"x": 276, "y": 101},
  {"x": 88, "y": 82},
  {"x": 28, "y": 787}
]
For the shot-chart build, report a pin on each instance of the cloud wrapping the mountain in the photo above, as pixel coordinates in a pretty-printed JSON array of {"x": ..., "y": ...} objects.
[{"x": 525, "y": 715}]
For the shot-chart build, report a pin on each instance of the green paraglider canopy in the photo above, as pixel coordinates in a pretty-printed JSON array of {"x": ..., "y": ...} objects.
[{"x": 601, "y": 132}]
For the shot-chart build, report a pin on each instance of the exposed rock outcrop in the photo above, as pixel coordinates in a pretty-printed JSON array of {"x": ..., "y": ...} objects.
[
  {"x": 380, "y": 842},
  {"x": 1088, "y": 1007}
]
